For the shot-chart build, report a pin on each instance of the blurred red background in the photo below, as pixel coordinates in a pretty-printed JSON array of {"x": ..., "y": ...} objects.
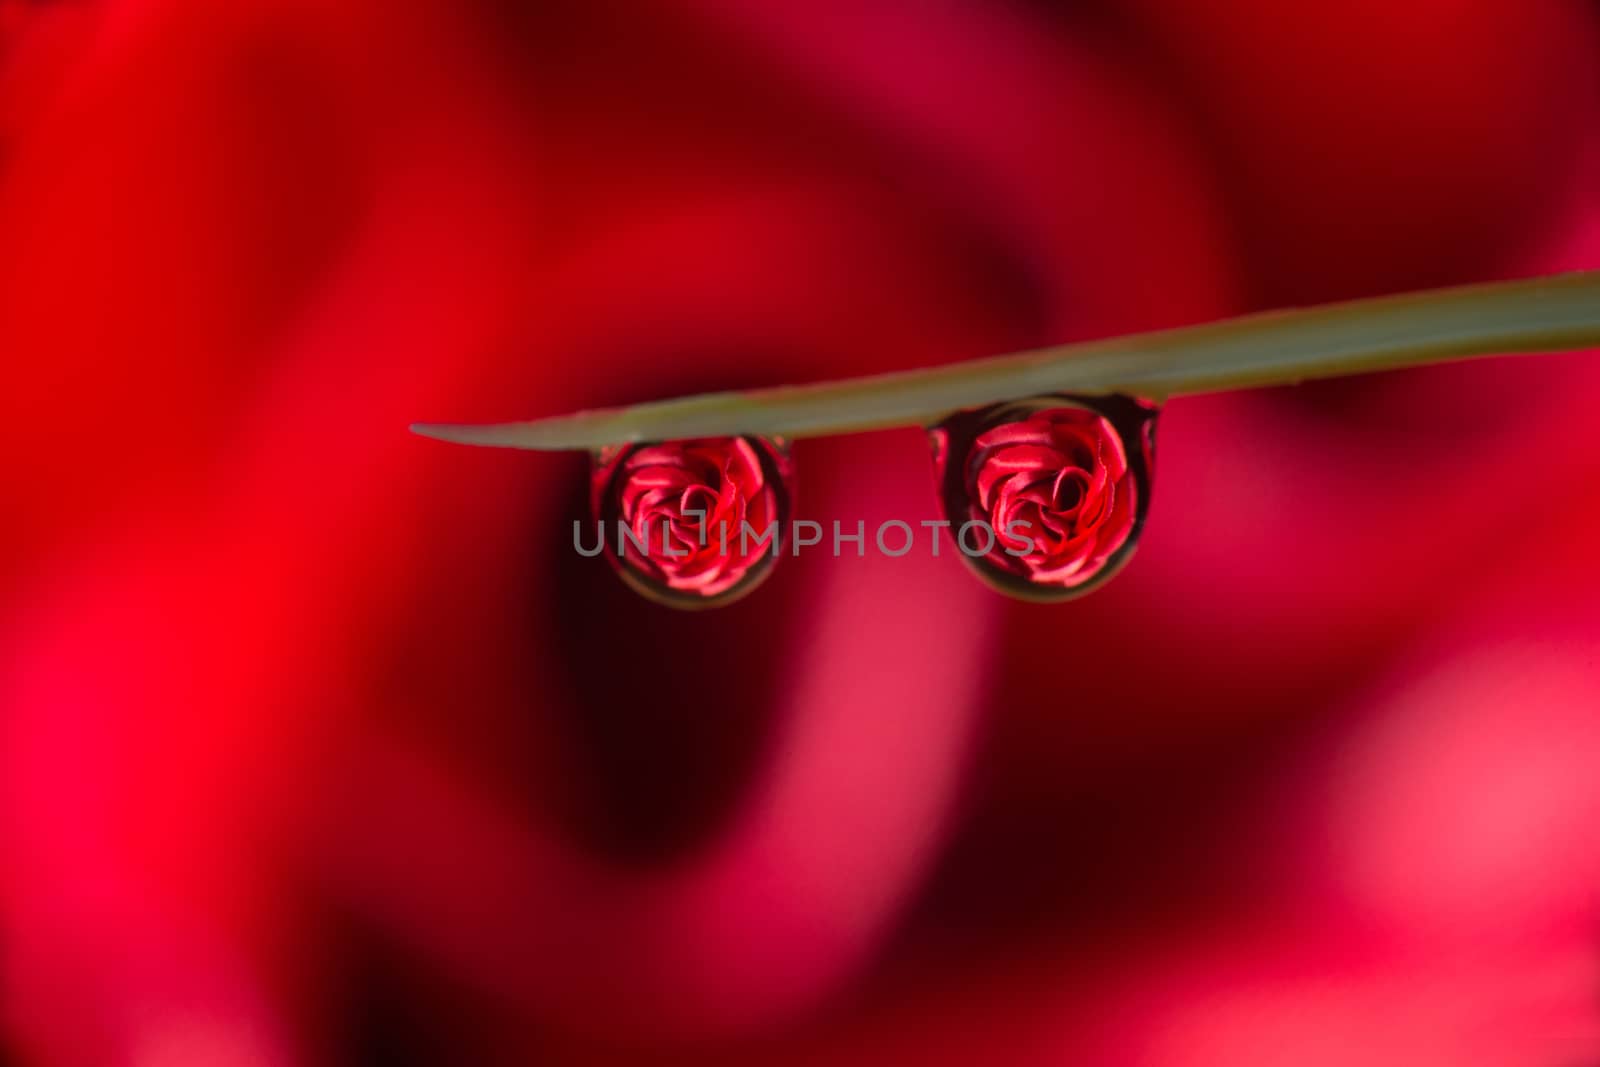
[{"x": 319, "y": 745}]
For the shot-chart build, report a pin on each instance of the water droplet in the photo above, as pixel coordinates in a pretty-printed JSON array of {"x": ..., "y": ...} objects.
[
  {"x": 1046, "y": 496},
  {"x": 692, "y": 524}
]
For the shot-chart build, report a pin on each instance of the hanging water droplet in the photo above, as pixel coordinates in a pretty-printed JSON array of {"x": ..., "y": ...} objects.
[
  {"x": 693, "y": 524},
  {"x": 1046, "y": 496}
]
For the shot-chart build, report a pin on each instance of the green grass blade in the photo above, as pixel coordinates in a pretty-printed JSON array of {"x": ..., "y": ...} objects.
[{"x": 1560, "y": 312}]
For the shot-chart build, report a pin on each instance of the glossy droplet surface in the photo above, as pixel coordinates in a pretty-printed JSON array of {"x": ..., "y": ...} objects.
[
  {"x": 693, "y": 524},
  {"x": 1046, "y": 497}
]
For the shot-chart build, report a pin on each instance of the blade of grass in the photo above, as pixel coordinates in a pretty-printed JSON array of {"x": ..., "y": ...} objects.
[{"x": 1560, "y": 312}]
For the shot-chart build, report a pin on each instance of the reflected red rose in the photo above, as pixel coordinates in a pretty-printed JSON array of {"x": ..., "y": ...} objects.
[
  {"x": 693, "y": 522},
  {"x": 1059, "y": 481},
  {"x": 1057, "y": 486}
]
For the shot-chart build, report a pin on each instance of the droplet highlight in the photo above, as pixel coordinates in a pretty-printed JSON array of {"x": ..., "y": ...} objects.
[
  {"x": 693, "y": 524},
  {"x": 1046, "y": 497}
]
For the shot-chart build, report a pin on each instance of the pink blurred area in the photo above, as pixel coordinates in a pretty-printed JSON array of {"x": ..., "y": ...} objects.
[{"x": 319, "y": 745}]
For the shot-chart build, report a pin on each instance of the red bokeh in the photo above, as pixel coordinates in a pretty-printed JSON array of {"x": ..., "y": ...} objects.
[{"x": 319, "y": 745}]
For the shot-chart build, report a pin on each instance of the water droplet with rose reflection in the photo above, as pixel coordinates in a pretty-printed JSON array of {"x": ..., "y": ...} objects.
[
  {"x": 692, "y": 524},
  {"x": 1046, "y": 497}
]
